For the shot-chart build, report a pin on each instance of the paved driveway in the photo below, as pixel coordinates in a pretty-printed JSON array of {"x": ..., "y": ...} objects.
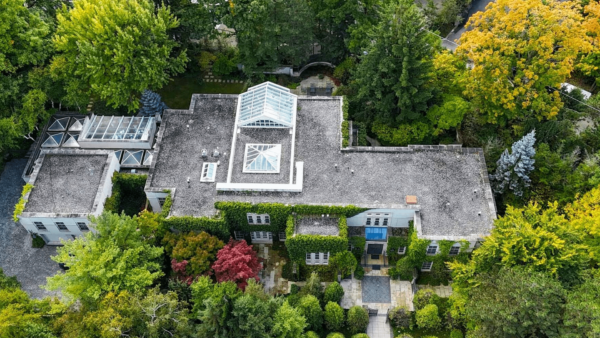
[{"x": 17, "y": 257}]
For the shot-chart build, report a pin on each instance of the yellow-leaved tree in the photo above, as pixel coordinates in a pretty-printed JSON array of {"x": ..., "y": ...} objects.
[
  {"x": 584, "y": 216},
  {"x": 590, "y": 64},
  {"x": 521, "y": 50}
]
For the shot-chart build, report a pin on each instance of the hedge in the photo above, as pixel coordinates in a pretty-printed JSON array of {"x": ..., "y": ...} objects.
[
  {"x": 236, "y": 218},
  {"x": 20, "y": 206},
  {"x": 362, "y": 134},
  {"x": 166, "y": 208},
  {"x": 298, "y": 245},
  {"x": 358, "y": 246},
  {"x": 347, "y": 211},
  {"x": 214, "y": 226}
]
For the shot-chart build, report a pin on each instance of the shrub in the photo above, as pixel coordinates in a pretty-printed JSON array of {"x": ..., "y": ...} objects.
[
  {"x": 360, "y": 335},
  {"x": 224, "y": 65},
  {"x": 311, "y": 334},
  {"x": 335, "y": 335},
  {"x": 333, "y": 293},
  {"x": 37, "y": 242},
  {"x": 428, "y": 318},
  {"x": 344, "y": 262},
  {"x": 359, "y": 273},
  {"x": 310, "y": 308},
  {"x": 205, "y": 59},
  {"x": 151, "y": 104},
  {"x": 334, "y": 316},
  {"x": 198, "y": 249},
  {"x": 20, "y": 206},
  {"x": 343, "y": 70},
  {"x": 403, "y": 270},
  {"x": 456, "y": 334},
  {"x": 294, "y": 289},
  {"x": 425, "y": 297},
  {"x": 313, "y": 286},
  {"x": 358, "y": 319},
  {"x": 294, "y": 300},
  {"x": 404, "y": 335},
  {"x": 400, "y": 317}
]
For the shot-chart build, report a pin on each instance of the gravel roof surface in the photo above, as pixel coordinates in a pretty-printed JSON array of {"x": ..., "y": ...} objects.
[
  {"x": 67, "y": 184},
  {"x": 17, "y": 257},
  {"x": 449, "y": 185},
  {"x": 317, "y": 226}
]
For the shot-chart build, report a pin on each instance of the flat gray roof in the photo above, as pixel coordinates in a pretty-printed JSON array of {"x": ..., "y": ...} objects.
[
  {"x": 324, "y": 226},
  {"x": 451, "y": 185},
  {"x": 67, "y": 181}
]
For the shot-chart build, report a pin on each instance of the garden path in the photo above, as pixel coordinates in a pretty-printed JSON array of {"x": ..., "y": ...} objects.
[{"x": 379, "y": 327}]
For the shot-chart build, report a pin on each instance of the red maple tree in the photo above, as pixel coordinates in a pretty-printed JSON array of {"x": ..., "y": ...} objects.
[{"x": 237, "y": 262}]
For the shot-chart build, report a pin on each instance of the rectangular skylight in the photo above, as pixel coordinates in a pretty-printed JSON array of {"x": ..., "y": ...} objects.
[{"x": 209, "y": 172}]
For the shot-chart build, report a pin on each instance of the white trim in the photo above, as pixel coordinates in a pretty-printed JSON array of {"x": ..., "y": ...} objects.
[
  {"x": 423, "y": 268},
  {"x": 402, "y": 250},
  {"x": 253, "y": 146},
  {"x": 297, "y": 187},
  {"x": 437, "y": 248}
]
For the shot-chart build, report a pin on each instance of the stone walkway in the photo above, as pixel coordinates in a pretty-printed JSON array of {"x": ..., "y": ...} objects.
[
  {"x": 376, "y": 289},
  {"x": 379, "y": 327},
  {"x": 17, "y": 257}
]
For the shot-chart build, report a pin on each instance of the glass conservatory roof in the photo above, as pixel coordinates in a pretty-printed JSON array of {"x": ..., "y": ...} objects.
[
  {"x": 148, "y": 157},
  {"x": 53, "y": 140},
  {"x": 267, "y": 105},
  {"x": 123, "y": 128},
  {"x": 262, "y": 158},
  {"x": 76, "y": 124}
]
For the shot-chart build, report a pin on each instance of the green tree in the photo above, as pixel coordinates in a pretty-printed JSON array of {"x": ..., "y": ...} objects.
[
  {"x": 358, "y": 319},
  {"x": 116, "y": 258},
  {"x": 310, "y": 308},
  {"x": 333, "y": 293},
  {"x": 313, "y": 286},
  {"x": 288, "y": 322},
  {"x": 516, "y": 303},
  {"x": 393, "y": 78},
  {"x": 114, "y": 50},
  {"x": 427, "y": 318},
  {"x": 344, "y": 262},
  {"x": 535, "y": 238},
  {"x": 334, "y": 316},
  {"x": 252, "y": 316},
  {"x": 582, "y": 310},
  {"x": 24, "y": 48}
]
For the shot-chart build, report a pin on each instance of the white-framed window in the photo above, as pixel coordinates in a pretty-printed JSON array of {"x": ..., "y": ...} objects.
[
  {"x": 261, "y": 235},
  {"x": 317, "y": 258},
  {"x": 368, "y": 222},
  {"x": 40, "y": 226},
  {"x": 282, "y": 236},
  {"x": 401, "y": 250},
  {"x": 82, "y": 226},
  {"x": 258, "y": 218},
  {"x": 454, "y": 250},
  {"x": 238, "y": 235},
  {"x": 426, "y": 266},
  {"x": 61, "y": 226},
  {"x": 161, "y": 201},
  {"x": 209, "y": 172},
  {"x": 432, "y": 249},
  {"x": 376, "y": 221}
]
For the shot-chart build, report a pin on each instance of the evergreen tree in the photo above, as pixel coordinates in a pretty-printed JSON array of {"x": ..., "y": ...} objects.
[
  {"x": 514, "y": 168},
  {"x": 394, "y": 74},
  {"x": 151, "y": 103}
]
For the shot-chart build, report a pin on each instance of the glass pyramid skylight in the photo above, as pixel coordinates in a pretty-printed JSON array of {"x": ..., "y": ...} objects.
[
  {"x": 267, "y": 105},
  {"x": 59, "y": 124},
  {"x": 262, "y": 158},
  {"x": 148, "y": 157},
  {"x": 132, "y": 157},
  {"x": 76, "y": 124},
  {"x": 71, "y": 140},
  {"x": 53, "y": 140}
]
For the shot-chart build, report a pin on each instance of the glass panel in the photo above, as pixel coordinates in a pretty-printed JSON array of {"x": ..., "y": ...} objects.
[
  {"x": 148, "y": 157},
  {"x": 375, "y": 234}
]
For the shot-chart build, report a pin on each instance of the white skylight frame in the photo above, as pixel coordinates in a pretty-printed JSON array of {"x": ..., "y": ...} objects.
[
  {"x": 267, "y": 106},
  {"x": 121, "y": 128},
  {"x": 209, "y": 172},
  {"x": 262, "y": 158}
]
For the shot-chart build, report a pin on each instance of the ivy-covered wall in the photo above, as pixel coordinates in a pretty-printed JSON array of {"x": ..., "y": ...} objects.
[
  {"x": 298, "y": 245},
  {"x": 131, "y": 186},
  {"x": 214, "y": 226},
  {"x": 236, "y": 218}
]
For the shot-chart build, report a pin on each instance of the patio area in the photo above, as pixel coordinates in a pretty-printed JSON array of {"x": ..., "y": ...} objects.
[
  {"x": 400, "y": 293},
  {"x": 315, "y": 86}
]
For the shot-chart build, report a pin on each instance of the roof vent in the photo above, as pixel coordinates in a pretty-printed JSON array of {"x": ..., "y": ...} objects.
[
  {"x": 216, "y": 153},
  {"x": 411, "y": 199},
  {"x": 204, "y": 154}
]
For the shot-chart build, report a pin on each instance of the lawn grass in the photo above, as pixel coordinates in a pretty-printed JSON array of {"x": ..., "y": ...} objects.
[
  {"x": 177, "y": 94},
  {"x": 419, "y": 333}
]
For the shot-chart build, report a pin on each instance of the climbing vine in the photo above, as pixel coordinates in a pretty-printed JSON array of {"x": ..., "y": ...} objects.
[{"x": 20, "y": 206}]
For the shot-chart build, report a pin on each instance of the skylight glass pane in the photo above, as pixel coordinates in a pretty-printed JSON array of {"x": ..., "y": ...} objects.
[
  {"x": 76, "y": 124},
  {"x": 71, "y": 140},
  {"x": 209, "y": 171},
  {"x": 148, "y": 157},
  {"x": 53, "y": 140},
  {"x": 262, "y": 158},
  {"x": 59, "y": 124},
  {"x": 118, "y": 154},
  {"x": 132, "y": 157}
]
